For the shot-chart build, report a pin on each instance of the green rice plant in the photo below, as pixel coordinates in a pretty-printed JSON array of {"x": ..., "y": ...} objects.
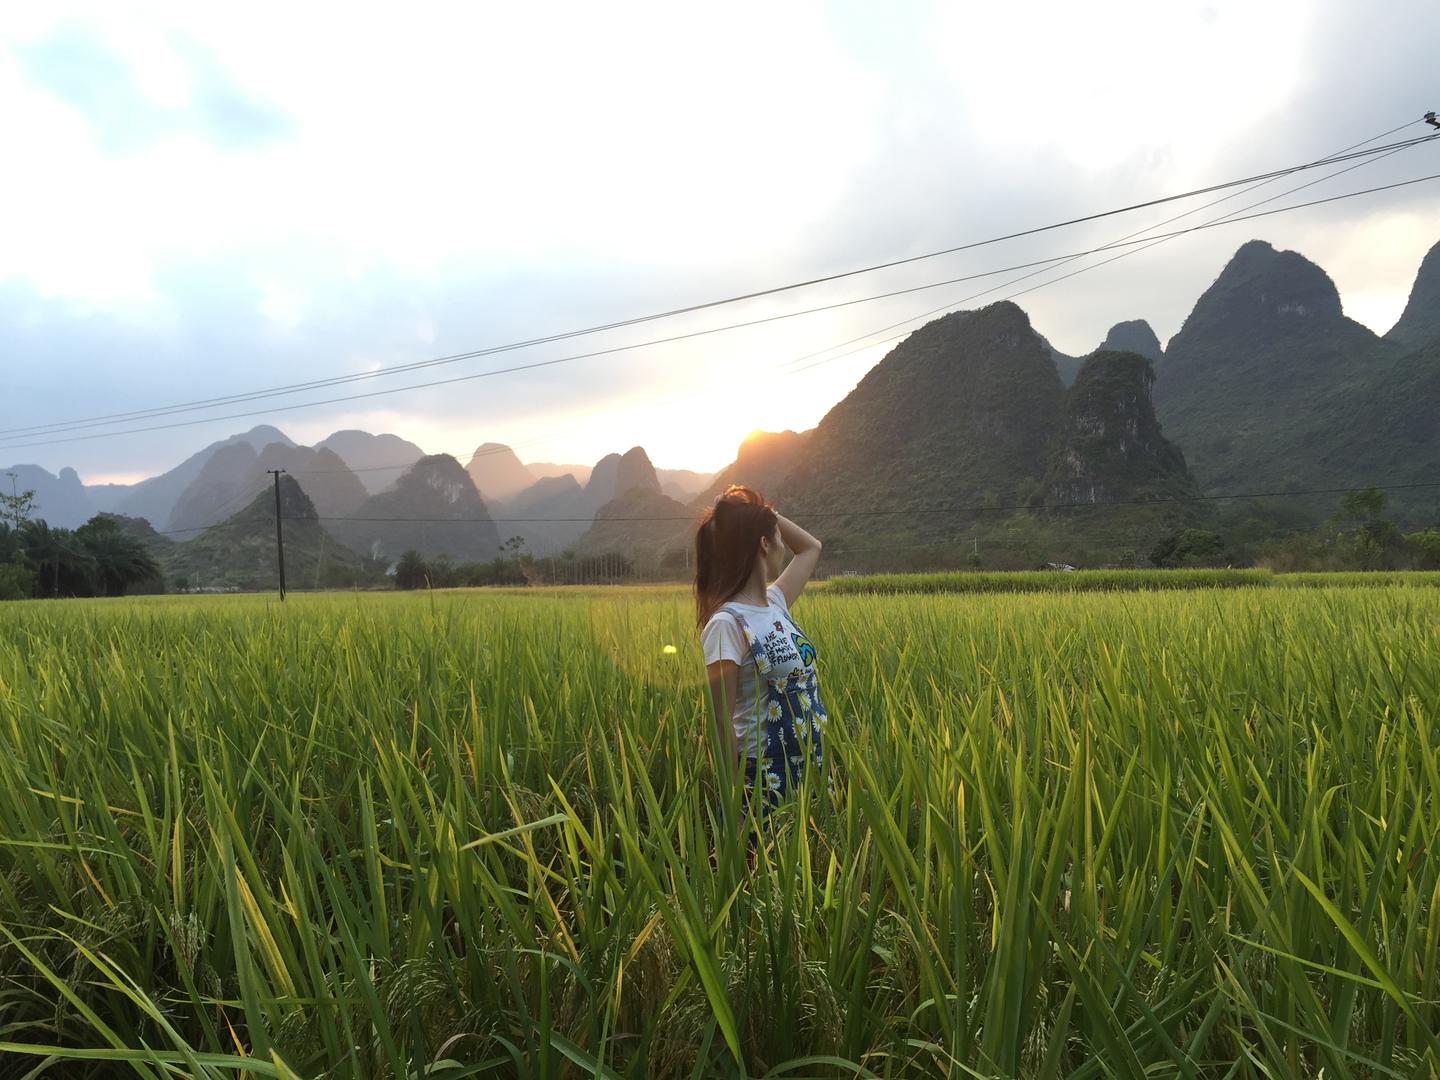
[
  {"x": 965, "y": 581},
  {"x": 1360, "y": 578},
  {"x": 1117, "y": 580},
  {"x": 1173, "y": 833}
]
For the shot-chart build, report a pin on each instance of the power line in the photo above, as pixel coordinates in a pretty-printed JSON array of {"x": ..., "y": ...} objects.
[
  {"x": 1067, "y": 260},
  {"x": 1152, "y": 242},
  {"x": 712, "y": 330},
  {"x": 896, "y": 512},
  {"x": 1021, "y": 541},
  {"x": 1223, "y": 219},
  {"x": 954, "y": 303},
  {"x": 973, "y": 296},
  {"x": 1216, "y": 202},
  {"x": 1146, "y": 245},
  {"x": 690, "y": 309}
]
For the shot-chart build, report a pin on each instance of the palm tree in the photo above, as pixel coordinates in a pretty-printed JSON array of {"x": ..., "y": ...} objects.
[
  {"x": 411, "y": 571},
  {"x": 48, "y": 549},
  {"x": 12, "y": 550},
  {"x": 119, "y": 561}
]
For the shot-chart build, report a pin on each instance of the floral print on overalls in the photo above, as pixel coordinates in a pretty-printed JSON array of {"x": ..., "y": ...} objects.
[{"x": 792, "y": 719}]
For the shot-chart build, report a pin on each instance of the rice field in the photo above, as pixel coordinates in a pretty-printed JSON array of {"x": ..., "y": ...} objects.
[
  {"x": 999, "y": 581},
  {"x": 991, "y": 581},
  {"x": 1185, "y": 833}
]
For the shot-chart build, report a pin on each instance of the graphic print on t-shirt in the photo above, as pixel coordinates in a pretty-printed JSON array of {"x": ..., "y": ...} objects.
[
  {"x": 782, "y": 664},
  {"x": 777, "y": 647},
  {"x": 784, "y": 649},
  {"x": 807, "y": 651}
]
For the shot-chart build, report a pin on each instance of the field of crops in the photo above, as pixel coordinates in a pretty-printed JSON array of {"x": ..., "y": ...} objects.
[
  {"x": 992, "y": 581},
  {"x": 1004, "y": 581},
  {"x": 1182, "y": 833}
]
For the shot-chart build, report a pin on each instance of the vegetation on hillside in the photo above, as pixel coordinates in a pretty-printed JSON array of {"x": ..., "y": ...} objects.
[
  {"x": 96, "y": 559},
  {"x": 962, "y": 412},
  {"x": 513, "y": 566},
  {"x": 1109, "y": 446},
  {"x": 961, "y": 449},
  {"x": 433, "y": 507},
  {"x": 240, "y": 553},
  {"x": 1268, "y": 386}
]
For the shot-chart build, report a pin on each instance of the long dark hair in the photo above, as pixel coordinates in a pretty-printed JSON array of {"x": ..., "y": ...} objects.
[{"x": 727, "y": 544}]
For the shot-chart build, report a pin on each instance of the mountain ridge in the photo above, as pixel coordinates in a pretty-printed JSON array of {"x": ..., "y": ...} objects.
[
  {"x": 376, "y": 460},
  {"x": 497, "y": 472},
  {"x": 433, "y": 508},
  {"x": 963, "y": 409},
  {"x": 1267, "y": 384},
  {"x": 1419, "y": 323},
  {"x": 1260, "y": 370},
  {"x": 1110, "y": 448},
  {"x": 240, "y": 552},
  {"x": 154, "y": 498},
  {"x": 236, "y": 473}
]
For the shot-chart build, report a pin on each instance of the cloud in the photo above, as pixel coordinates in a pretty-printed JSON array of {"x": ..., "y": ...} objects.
[
  {"x": 81, "y": 69},
  {"x": 211, "y": 205}
]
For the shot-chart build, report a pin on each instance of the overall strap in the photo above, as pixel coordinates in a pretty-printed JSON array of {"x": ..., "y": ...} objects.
[{"x": 752, "y": 641}]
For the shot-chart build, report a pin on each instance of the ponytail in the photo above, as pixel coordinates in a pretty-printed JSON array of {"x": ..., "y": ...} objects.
[{"x": 727, "y": 546}]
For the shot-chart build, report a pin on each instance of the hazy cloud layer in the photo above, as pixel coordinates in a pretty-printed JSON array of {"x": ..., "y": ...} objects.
[
  {"x": 211, "y": 202},
  {"x": 79, "y": 68}
]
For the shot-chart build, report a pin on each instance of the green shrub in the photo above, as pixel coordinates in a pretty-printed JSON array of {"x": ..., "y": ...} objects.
[{"x": 16, "y": 582}]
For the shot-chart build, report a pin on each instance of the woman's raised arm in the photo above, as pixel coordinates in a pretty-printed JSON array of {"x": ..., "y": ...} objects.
[{"x": 807, "y": 553}]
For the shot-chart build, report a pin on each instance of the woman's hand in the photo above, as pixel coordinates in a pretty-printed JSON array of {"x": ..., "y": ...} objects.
[{"x": 807, "y": 553}]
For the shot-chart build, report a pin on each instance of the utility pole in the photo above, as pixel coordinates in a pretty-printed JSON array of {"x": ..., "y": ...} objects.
[{"x": 279, "y": 533}]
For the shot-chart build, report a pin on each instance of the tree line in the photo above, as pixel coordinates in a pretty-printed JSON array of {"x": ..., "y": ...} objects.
[
  {"x": 38, "y": 560},
  {"x": 1357, "y": 536},
  {"x": 512, "y": 566},
  {"x": 97, "y": 559}
]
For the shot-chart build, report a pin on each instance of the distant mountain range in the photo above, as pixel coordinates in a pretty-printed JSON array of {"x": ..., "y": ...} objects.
[
  {"x": 1267, "y": 386},
  {"x": 377, "y": 460},
  {"x": 968, "y": 423},
  {"x": 239, "y": 553},
  {"x": 433, "y": 508},
  {"x": 235, "y": 474},
  {"x": 343, "y": 475}
]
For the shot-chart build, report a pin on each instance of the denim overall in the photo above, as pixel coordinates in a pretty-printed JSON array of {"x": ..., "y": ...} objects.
[{"x": 791, "y": 719}]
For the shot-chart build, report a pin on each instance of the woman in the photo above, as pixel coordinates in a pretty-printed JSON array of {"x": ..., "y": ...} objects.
[{"x": 761, "y": 665}]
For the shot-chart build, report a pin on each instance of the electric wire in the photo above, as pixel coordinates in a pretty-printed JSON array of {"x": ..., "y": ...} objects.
[
  {"x": 790, "y": 369},
  {"x": 712, "y": 330},
  {"x": 1152, "y": 241},
  {"x": 868, "y": 513},
  {"x": 1146, "y": 245},
  {"x": 690, "y": 309},
  {"x": 504, "y": 449}
]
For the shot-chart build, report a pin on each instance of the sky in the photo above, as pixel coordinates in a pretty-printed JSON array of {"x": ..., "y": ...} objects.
[{"x": 211, "y": 200}]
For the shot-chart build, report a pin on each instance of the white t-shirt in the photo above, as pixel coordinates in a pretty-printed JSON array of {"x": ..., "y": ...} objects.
[{"x": 785, "y": 647}]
